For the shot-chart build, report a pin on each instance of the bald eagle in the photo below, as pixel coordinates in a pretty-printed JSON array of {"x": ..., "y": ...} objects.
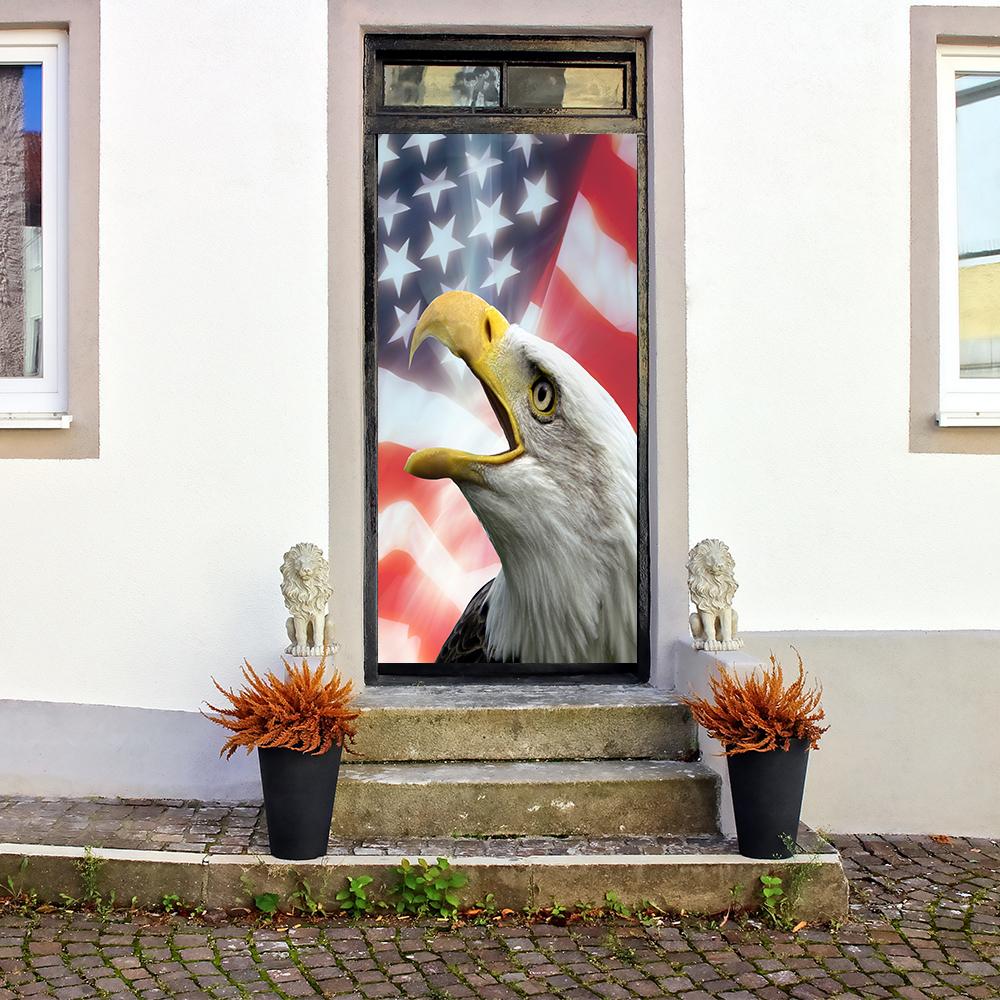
[{"x": 559, "y": 505}]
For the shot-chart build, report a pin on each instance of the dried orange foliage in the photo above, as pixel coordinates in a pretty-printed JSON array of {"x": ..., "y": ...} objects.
[
  {"x": 304, "y": 712},
  {"x": 758, "y": 712}
]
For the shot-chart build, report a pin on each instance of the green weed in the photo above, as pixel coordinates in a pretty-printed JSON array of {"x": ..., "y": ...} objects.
[
  {"x": 353, "y": 898},
  {"x": 424, "y": 889},
  {"x": 614, "y": 905},
  {"x": 304, "y": 901},
  {"x": 267, "y": 903}
]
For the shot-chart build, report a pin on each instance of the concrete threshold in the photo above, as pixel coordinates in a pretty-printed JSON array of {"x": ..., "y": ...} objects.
[
  {"x": 524, "y": 697},
  {"x": 706, "y": 882}
]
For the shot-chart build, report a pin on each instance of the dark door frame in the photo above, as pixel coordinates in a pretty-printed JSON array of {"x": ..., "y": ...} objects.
[{"x": 630, "y": 53}]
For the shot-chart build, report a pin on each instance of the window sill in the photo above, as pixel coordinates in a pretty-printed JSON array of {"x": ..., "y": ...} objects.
[
  {"x": 35, "y": 421},
  {"x": 969, "y": 418}
]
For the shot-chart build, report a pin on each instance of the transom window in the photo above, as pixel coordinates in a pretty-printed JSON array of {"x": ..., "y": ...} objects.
[
  {"x": 512, "y": 86},
  {"x": 570, "y": 78}
]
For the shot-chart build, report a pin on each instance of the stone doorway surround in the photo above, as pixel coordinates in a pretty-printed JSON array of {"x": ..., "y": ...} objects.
[{"x": 660, "y": 24}]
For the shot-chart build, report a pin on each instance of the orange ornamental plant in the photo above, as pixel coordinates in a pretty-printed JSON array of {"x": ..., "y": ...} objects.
[
  {"x": 305, "y": 712},
  {"x": 758, "y": 711}
]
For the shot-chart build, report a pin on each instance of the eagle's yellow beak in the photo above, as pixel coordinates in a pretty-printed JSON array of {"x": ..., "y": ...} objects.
[{"x": 472, "y": 330}]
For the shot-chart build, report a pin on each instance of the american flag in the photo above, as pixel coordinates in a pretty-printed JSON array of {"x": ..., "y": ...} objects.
[{"x": 544, "y": 227}]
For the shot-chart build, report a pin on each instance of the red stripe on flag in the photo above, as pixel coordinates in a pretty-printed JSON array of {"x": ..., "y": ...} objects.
[
  {"x": 440, "y": 503},
  {"x": 395, "y": 484},
  {"x": 570, "y": 322},
  {"x": 611, "y": 186},
  {"x": 405, "y": 594}
]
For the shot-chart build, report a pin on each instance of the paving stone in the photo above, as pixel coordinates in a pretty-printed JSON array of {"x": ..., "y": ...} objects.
[
  {"x": 924, "y": 924},
  {"x": 240, "y": 828}
]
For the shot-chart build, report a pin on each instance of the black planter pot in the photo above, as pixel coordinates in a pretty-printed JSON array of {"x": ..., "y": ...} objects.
[
  {"x": 299, "y": 789},
  {"x": 767, "y": 798}
]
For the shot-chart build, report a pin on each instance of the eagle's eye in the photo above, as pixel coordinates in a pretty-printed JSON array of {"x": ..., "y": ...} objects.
[{"x": 543, "y": 397}]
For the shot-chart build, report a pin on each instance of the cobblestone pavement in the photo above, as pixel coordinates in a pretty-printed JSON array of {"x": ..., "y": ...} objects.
[
  {"x": 240, "y": 828},
  {"x": 926, "y": 923}
]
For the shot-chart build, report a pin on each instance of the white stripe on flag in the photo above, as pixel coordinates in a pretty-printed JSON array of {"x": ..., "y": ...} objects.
[
  {"x": 529, "y": 321},
  {"x": 599, "y": 268},
  {"x": 415, "y": 417},
  {"x": 396, "y": 644}
]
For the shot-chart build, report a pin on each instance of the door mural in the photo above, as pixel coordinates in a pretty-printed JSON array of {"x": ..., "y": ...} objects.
[{"x": 507, "y": 363}]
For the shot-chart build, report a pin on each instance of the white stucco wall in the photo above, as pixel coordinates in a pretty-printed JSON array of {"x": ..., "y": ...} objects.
[
  {"x": 797, "y": 167},
  {"x": 903, "y": 709},
  {"x": 132, "y": 578},
  {"x": 129, "y": 579}
]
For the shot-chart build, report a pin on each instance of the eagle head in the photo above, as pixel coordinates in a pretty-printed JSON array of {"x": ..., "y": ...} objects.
[{"x": 559, "y": 504}]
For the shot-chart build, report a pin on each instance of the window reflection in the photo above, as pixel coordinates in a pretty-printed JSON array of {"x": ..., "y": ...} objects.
[
  {"x": 566, "y": 87},
  {"x": 442, "y": 86},
  {"x": 20, "y": 221},
  {"x": 977, "y": 99}
]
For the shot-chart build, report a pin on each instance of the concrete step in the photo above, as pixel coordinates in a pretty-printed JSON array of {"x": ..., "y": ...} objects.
[
  {"x": 523, "y": 722},
  {"x": 697, "y": 876},
  {"x": 559, "y": 798}
]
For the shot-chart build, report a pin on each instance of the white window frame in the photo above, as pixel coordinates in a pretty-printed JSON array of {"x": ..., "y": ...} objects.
[
  {"x": 964, "y": 402},
  {"x": 42, "y": 401}
]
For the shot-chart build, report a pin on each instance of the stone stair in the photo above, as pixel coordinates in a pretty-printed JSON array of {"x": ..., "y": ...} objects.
[
  {"x": 538, "y": 793},
  {"x": 525, "y": 760},
  {"x": 523, "y": 722}
]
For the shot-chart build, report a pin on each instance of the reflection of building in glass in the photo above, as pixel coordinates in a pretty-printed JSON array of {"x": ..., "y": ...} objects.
[
  {"x": 442, "y": 86},
  {"x": 977, "y": 125},
  {"x": 565, "y": 86},
  {"x": 32, "y": 300},
  {"x": 20, "y": 222},
  {"x": 536, "y": 86}
]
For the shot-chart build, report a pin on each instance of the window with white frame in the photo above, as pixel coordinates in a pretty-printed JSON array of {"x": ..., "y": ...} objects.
[
  {"x": 33, "y": 178},
  {"x": 969, "y": 234}
]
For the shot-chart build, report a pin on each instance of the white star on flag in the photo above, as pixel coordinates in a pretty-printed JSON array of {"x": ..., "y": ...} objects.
[
  {"x": 407, "y": 324},
  {"x": 433, "y": 188},
  {"x": 460, "y": 287},
  {"x": 389, "y": 208},
  {"x": 442, "y": 244},
  {"x": 536, "y": 198},
  {"x": 385, "y": 154},
  {"x": 501, "y": 270},
  {"x": 524, "y": 142},
  {"x": 479, "y": 165},
  {"x": 490, "y": 220},
  {"x": 423, "y": 142},
  {"x": 397, "y": 266}
]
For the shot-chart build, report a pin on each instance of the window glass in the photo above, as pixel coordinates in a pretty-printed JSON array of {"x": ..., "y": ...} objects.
[
  {"x": 565, "y": 87},
  {"x": 977, "y": 126},
  {"x": 20, "y": 220},
  {"x": 544, "y": 228},
  {"x": 442, "y": 86}
]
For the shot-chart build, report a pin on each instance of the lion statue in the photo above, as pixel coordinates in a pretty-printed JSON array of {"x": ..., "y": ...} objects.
[
  {"x": 712, "y": 585},
  {"x": 305, "y": 586}
]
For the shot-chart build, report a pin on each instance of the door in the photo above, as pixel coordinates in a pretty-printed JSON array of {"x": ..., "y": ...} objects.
[{"x": 505, "y": 360}]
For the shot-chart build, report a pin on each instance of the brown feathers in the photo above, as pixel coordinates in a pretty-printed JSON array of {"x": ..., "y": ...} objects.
[
  {"x": 757, "y": 711},
  {"x": 303, "y": 712}
]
